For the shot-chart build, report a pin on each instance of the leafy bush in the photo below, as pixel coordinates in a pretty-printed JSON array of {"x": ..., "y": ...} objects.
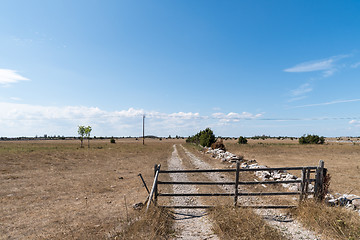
[
  {"x": 242, "y": 140},
  {"x": 204, "y": 138},
  {"x": 112, "y": 140},
  {"x": 311, "y": 139}
]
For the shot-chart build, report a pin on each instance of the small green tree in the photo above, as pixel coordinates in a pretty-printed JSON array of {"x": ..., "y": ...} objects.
[
  {"x": 204, "y": 138},
  {"x": 87, "y": 134},
  {"x": 81, "y": 132},
  {"x": 311, "y": 139},
  {"x": 207, "y": 138},
  {"x": 242, "y": 140}
]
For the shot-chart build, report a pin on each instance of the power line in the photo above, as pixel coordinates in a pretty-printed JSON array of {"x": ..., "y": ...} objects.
[{"x": 161, "y": 116}]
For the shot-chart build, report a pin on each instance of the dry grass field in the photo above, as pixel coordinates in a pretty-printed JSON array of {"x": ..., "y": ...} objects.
[
  {"x": 56, "y": 190},
  {"x": 341, "y": 159}
]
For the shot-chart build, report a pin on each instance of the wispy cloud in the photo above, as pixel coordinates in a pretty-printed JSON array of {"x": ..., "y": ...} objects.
[
  {"x": 328, "y": 103},
  {"x": 235, "y": 117},
  {"x": 327, "y": 66},
  {"x": 355, "y": 123},
  {"x": 15, "y": 99},
  {"x": 355, "y": 65},
  {"x": 8, "y": 76},
  {"x": 301, "y": 90}
]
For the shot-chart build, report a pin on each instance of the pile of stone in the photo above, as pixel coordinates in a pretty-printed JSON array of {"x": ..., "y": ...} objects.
[
  {"x": 223, "y": 156},
  {"x": 276, "y": 175},
  {"x": 346, "y": 200},
  {"x": 350, "y": 201}
]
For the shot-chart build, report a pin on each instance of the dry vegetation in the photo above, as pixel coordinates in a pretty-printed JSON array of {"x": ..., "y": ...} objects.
[
  {"x": 241, "y": 223},
  {"x": 55, "y": 190},
  {"x": 341, "y": 159},
  {"x": 331, "y": 222},
  {"x": 156, "y": 223}
]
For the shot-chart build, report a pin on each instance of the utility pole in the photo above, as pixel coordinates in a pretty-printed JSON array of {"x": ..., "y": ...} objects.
[{"x": 144, "y": 129}]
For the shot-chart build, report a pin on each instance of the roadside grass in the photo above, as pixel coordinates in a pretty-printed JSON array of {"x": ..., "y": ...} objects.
[
  {"x": 331, "y": 222},
  {"x": 157, "y": 223},
  {"x": 242, "y": 223}
]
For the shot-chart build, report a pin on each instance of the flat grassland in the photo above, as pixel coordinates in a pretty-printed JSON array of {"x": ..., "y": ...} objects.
[
  {"x": 341, "y": 159},
  {"x": 56, "y": 190}
]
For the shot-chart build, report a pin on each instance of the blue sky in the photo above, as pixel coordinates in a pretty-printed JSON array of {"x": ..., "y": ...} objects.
[{"x": 239, "y": 67}]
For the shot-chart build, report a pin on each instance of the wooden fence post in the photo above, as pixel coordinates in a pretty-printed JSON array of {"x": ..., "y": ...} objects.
[
  {"x": 157, "y": 169},
  {"x": 319, "y": 178},
  {"x": 307, "y": 182},
  {"x": 156, "y": 193},
  {"x": 236, "y": 182},
  {"x": 302, "y": 184}
]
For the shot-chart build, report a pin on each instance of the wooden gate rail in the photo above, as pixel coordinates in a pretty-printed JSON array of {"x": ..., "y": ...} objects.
[
  {"x": 233, "y": 183},
  {"x": 303, "y": 192}
]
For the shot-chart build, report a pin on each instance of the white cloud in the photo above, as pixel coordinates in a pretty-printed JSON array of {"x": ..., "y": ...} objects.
[
  {"x": 327, "y": 65},
  {"x": 8, "y": 76},
  {"x": 29, "y": 120},
  {"x": 235, "y": 117}
]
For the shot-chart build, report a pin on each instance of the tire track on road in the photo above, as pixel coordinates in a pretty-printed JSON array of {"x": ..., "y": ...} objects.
[{"x": 189, "y": 223}]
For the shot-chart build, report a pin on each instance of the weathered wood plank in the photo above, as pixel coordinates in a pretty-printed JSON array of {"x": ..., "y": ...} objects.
[
  {"x": 153, "y": 188},
  {"x": 234, "y": 170},
  {"x": 232, "y": 183},
  {"x": 236, "y": 182},
  {"x": 226, "y": 194},
  {"x": 255, "y": 206}
]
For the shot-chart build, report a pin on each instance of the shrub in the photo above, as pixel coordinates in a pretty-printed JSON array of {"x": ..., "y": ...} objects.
[
  {"x": 205, "y": 138},
  {"x": 311, "y": 139},
  {"x": 218, "y": 144},
  {"x": 112, "y": 140},
  {"x": 242, "y": 140}
]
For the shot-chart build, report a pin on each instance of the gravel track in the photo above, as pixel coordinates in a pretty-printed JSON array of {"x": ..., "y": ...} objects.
[
  {"x": 290, "y": 227},
  {"x": 189, "y": 223}
]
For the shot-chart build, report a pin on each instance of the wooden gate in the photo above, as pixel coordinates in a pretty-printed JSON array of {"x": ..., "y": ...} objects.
[{"x": 318, "y": 179}]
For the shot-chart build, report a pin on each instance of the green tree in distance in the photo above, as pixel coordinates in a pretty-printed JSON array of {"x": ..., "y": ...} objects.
[
  {"x": 87, "y": 134},
  {"x": 81, "y": 132}
]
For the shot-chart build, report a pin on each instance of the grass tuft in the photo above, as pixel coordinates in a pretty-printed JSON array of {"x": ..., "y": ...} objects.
[
  {"x": 332, "y": 222},
  {"x": 155, "y": 224},
  {"x": 242, "y": 223}
]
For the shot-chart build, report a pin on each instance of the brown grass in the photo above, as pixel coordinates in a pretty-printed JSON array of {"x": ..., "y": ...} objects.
[
  {"x": 331, "y": 222},
  {"x": 241, "y": 223},
  {"x": 55, "y": 190},
  {"x": 342, "y": 160},
  {"x": 157, "y": 223}
]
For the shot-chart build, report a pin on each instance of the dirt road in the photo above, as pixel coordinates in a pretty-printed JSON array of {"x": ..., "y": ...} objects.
[{"x": 194, "y": 224}]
